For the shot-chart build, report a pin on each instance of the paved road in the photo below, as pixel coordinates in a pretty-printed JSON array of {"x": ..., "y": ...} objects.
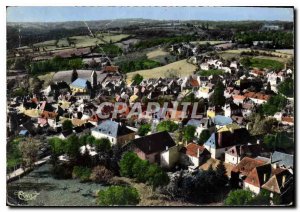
[{"x": 20, "y": 171}]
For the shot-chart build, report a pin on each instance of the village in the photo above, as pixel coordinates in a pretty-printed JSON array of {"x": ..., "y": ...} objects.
[{"x": 82, "y": 124}]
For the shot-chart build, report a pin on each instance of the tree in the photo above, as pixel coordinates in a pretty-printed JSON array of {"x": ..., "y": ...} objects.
[
  {"x": 221, "y": 174},
  {"x": 101, "y": 174},
  {"x": 72, "y": 146},
  {"x": 83, "y": 173},
  {"x": 144, "y": 129},
  {"x": 218, "y": 98},
  {"x": 204, "y": 136},
  {"x": 57, "y": 145},
  {"x": 29, "y": 150},
  {"x": 102, "y": 145},
  {"x": 118, "y": 196},
  {"x": 238, "y": 197},
  {"x": 126, "y": 164},
  {"x": 139, "y": 169},
  {"x": 67, "y": 125},
  {"x": 137, "y": 78},
  {"x": 156, "y": 176},
  {"x": 278, "y": 141},
  {"x": 169, "y": 126},
  {"x": 287, "y": 87},
  {"x": 189, "y": 132},
  {"x": 74, "y": 75},
  {"x": 274, "y": 104}
]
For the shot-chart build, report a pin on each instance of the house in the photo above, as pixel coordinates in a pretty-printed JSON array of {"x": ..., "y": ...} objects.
[
  {"x": 200, "y": 125},
  {"x": 281, "y": 185},
  {"x": 257, "y": 98},
  {"x": 220, "y": 141},
  {"x": 236, "y": 153},
  {"x": 204, "y": 66},
  {"x": 220, "y": 121},
  {"x": 204, "y": 92},
  {"x": 49, "y": 118},
  {"x": 242, "y": 170},
  {"x": 157, "y": 148},
  {"x": 116, "y": 133},
  {"x": 238, "y": 99},
  {"x": 232, "y": 109},
  {"x": 287, "y": 120},
  {"x": 282, "y": 160},
  {"x": 194, "y": 155},
  {"x": 65, "y": 134},
  {"x": 214, "y": 111},
  {"x": 79, "y": 86},
  {"x": 257, "y": 177}
]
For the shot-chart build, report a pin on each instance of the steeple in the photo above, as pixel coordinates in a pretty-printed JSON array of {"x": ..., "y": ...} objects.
[{"x": 94, "y": 79}]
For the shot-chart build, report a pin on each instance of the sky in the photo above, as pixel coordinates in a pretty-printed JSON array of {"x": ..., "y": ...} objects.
[{"x": 60, "y": 14}]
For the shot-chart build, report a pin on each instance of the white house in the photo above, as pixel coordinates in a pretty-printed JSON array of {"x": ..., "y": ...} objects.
[
  {"x": 204, "y": 92},
  {"x": 115, "y": 132}
]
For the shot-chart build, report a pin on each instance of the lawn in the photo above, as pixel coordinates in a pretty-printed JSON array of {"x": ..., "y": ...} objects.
[
  {"x": 85, "y": 41},
  {"x": 113, "y": 37},
  {"x": 263, "y": 63},
  {"x": 180, "y": 68}
]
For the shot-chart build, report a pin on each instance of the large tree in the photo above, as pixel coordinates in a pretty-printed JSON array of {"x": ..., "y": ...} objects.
[
  {"x": 218, "y": 98},
  {"x": 29, "y": 150},
  {"x": 239, "y": 197}
]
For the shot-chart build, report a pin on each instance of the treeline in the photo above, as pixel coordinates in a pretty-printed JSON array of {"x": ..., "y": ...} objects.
[
  {"x": 279, "y": 39},
  {"x": 35, "y": 35},
  {"x": 167, "y": 40},
  {"x": 55, "y": 64}
]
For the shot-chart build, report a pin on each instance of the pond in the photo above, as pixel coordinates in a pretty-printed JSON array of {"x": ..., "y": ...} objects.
[{"x": 50, "y": 191}]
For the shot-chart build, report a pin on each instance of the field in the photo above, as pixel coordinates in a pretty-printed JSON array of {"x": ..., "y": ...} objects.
[
  {"x": 161, "y": 56},
  {"x": 78, "y": 41},
  {"x": 180, "y": 68},
  {"x": 282, "y": 56},
  {"x": 112, "y": 37}
]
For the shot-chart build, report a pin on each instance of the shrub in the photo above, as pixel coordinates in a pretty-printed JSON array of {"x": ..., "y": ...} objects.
[
  {"x": 101, "y": 174},
  {"x": 169, "y": 126},
  {"x": 239, "y": 197},
  {"x": 126, "y": 164},
  {"x": 144, "y": 129},
  {"x": 156, "y": 176},
  {"x": 118, "y": 196},
  {"x": 83, "y": 173}
]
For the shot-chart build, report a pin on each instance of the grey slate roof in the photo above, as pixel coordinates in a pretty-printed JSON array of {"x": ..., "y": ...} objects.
[
  {"x": 112, "y": 128},
  {"x": 282, "y": 159}
]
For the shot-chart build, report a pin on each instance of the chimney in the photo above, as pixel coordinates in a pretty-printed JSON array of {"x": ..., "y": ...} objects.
[
  {"x": 167, "y": 148},
  {"x": 265, "y": 177},
  {"x": 283, "y": 180},
  {"x": 198, "y": 153}
]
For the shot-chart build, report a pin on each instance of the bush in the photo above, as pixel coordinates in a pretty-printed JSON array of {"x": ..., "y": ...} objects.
[
  {"x": 169, "y": 126},
  {"x": 118, "y": 196},
  {"x": 189, "y": 132},
  {"x": 126, "y": 164},
  {"x": 274, "y": 104},
  {"x": 156, "y": 176},
  {"x": 139, "y": 169},
  {"x": 239, "y": 197},
  {"x": 144, "y": 129},
  {"x": 83, "y": 173},
  {"x": 101, "y": 174}
]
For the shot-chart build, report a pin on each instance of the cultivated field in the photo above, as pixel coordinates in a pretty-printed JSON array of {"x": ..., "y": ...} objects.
[
  {"x": 278, "y": 55},
  {"x": 180, "y": 68}
]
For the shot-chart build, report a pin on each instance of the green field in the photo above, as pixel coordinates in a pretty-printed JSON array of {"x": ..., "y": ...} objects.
[
  {"x": 207, "y": 73},
  {"x": 262, "y": 63}
]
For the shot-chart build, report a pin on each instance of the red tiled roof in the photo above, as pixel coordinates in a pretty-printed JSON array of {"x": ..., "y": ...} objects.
[
  {"x": 288, "y": 119},
  {"x": 194, "y": 82},
  {"x": 246, "y": 165},
  {"x": 192, "y": 149},
  {"x": 48, "y": 115},
  {"x": 111, "y": 68}
]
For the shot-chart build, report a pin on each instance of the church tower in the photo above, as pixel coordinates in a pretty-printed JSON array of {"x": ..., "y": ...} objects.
[{"x": 94, "y": 79}]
